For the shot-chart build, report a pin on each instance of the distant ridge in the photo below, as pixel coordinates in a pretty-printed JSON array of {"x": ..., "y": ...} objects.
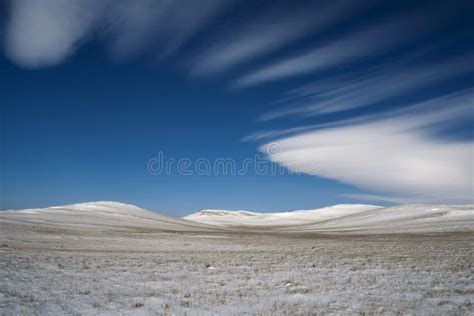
[
  {"x": 212, "y": 212},
  {"x": 228, "y": 218},
  {"x": 100, "y": 215},
  {"x": 339, "y": 219},
  {"x": 350, "y": 218}
]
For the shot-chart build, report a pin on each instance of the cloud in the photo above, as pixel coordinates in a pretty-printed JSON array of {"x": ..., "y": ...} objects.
[
  {"x": 269, "y": 33},
  {"x": 394, "y": 155},
  {"x": 358, "y": 44},
  {"x": 377, "y": 84},
  {"x": 45, "y": 33},
  {"x": 134, "y": 25}
]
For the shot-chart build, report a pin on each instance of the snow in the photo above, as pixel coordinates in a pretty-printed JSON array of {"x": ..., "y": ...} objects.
[
  {"x": 108, "y": 258},
  {"x": 50, "y": 271},
  {"x": 343, "y": 218},
  {"x": 349, "y": 218},
  {"x": 244, "y": 218},
  {"x": 400, "y": 219},
  {"x": 100, "y": 215}
]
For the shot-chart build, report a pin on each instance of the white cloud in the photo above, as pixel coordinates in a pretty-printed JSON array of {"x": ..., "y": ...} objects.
[
  {"x": 377, "y": 84},
  {"x": 362, "y": 43},
  {"x": 394, "y": 155},
  {"x": 269, "y": 33},
  {"x": 44, "y": 33}
]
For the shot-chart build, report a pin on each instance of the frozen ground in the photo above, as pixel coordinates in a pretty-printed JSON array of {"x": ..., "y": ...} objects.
[{"x": 160, "y": 265}]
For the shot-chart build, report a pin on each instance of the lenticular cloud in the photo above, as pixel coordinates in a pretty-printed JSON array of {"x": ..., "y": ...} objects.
[{"x": 395, "y": 155}]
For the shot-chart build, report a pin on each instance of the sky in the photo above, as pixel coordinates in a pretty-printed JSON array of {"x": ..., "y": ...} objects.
[{"x": 177, "y": 106}]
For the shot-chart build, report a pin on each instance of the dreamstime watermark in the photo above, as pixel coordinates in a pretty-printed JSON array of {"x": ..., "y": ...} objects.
[{"x": 258, "y": 165}]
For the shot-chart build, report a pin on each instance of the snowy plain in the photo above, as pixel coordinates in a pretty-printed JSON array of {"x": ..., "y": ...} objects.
[{"x": 110, "y": 258}]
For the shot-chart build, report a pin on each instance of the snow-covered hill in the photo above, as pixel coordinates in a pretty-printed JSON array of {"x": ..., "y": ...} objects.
[
  {"x": 344, "y": 218},
  {"x": 415, "y": 218},
  {"x": 238, "y": 218},
  {"x": 350, "y": 219},
  {"x": 99, "y": 215}
]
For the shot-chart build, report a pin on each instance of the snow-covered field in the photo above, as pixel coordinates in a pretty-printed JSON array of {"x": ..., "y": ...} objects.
[{"x": 109, "y": 258}]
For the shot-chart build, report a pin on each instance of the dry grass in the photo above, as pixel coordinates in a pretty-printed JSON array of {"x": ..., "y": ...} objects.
[{"x": 73, "y": 272}]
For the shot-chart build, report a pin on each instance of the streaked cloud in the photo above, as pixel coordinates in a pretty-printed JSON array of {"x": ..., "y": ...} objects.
[
  {"x": 357, "y": 64},
  {"x": 361, "y": 43},
  {"x": 394, "y": 156},
  {"x": 376, "y": 84},
  {"x": 270, "y": 32},
  {"x": 133, "y": 26},
  {"x": 45, "y": 33}
]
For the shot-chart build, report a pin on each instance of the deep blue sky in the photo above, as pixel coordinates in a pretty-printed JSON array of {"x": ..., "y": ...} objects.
[{"x": 89, "y": 97}]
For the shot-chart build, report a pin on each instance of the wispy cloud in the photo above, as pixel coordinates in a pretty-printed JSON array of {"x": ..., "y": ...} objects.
[
  {"x": 270, "y": 32},
  {"x": 379, "y": 83},
  {"x": 44, "y": 33},
  {"x": 361, "y": 43},
  {"x": 166, "y": 25},
  {"x": 394, "y": 155}
]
